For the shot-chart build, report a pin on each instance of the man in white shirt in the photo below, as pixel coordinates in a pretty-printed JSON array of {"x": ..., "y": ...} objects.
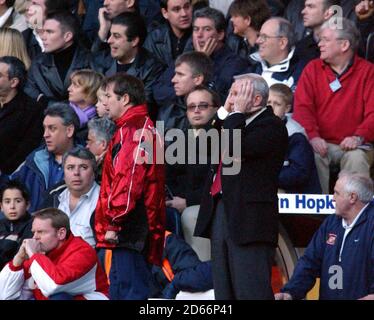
[{"x": 78, "y": 196}]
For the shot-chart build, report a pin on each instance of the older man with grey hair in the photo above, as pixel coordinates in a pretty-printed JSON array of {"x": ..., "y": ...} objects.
[
  {"x": 276, "y": 59},
  {"x": 239, "y": 210},
  {"x": 341, "y": 251},
  {"x": 100, "y": 132},
  {"x": 334, "y": 102}
]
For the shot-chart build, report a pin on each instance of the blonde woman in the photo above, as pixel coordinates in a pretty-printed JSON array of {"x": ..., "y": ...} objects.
[{"x": 12, "y": 44}]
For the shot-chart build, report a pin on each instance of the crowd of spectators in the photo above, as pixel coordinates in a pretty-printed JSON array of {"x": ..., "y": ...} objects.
[{"x": 84, "y": 85}]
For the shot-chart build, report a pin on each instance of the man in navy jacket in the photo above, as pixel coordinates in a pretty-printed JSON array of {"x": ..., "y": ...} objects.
[{"x": 341, "y": 252}]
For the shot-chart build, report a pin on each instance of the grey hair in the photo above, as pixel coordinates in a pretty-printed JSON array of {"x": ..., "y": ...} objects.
[
  {"x": 81, "y": 153},
  {"x": 65, "y": 112},
  {"x": 102, "y": 128},
  {"x": 358, "y": 183},
  {"x": 345, "y": 29},
  {"x": 285, "y": 29},
  {"x": 259, "y": 84}
]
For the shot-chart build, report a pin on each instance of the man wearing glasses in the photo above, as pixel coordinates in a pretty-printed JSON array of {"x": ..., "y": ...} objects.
[
  {"x": 276, "y": 59},
  {"x": 187, "y": 180}
]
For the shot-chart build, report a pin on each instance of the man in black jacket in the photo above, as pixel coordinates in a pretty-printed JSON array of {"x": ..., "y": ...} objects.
[
  {"x": 21, "y": 119},
  {"x": 170, "y": 40},
  {"x": 239, "y": 209},
  {"x": 49, "y": 74},
  {"x": 128, "y": 32}
]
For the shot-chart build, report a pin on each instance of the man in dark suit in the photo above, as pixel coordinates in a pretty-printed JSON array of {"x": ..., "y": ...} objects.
[{"x": 239, "y": 210}]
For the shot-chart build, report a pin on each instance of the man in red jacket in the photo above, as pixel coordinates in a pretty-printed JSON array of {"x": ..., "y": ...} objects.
[
  {"x": 130, "y": 213},
  {"x": 334, "y": 102},
  {"x": 53, "y": 265}
]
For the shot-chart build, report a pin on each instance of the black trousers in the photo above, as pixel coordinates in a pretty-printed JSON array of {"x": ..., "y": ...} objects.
[{"x": 240, "y": 272}]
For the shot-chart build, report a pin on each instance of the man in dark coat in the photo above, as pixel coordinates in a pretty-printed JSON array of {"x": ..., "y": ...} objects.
[
  {"x": 239, "y": 207},
  {"x": 49, "y": 74},
  {"x": 128, "y": 32},
  {"x": 21, "y": 119}
]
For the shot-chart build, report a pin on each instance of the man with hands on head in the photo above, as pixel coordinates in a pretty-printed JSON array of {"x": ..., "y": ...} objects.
[
  {"x": 239, "y": 208},
  {"x": 53, "y": 265}
]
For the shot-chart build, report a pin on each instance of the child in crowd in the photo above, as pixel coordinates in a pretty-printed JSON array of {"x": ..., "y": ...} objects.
[
  {"x": 101, "y": 104},
  {"x": 16, "y": 226},
  {"x": 82, "y": 94},
  {"x": 299, "y": 172}
]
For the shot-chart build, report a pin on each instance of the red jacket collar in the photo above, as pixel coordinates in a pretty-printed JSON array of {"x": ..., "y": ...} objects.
[
  {"x": 57, "y": 251},
  {"x": 138, "y": 111}
]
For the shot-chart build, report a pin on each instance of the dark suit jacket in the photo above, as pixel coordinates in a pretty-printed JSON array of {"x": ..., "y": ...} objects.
[
  {"x": 250, "y": 197},
  {"x": 21, "y": 131}
]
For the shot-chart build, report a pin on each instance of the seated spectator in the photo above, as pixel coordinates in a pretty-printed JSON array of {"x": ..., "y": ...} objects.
[
  {"x": 191, "y": 69},
  {"x": 208, "y": 37},
  {"x": 315, "y": 13},
  {"x": 82, "y": 94},
  {"x": 276, "y": 59},
  {"x": 128, "y": 32},
  {"x": 36, "y": 13},
  {"x": 107, "y": 13},
  {"x": 335, "y": 89},
  {"x": 43, "y": 166},
  {"x": 16, "y": 224},
  {"x": 10, "y": 18},
  {"x": 21, "y": 119},
  {"x": 173, "y": 38},
  {"x": 12, "y": 44},
  {"x": 181, "y": 270},
  {"x": 49, "y": 74},
  {"x": 247, "y": 17},
  {"x": 82, "y": 98},
  {"x": 186, "y": 180},
  {"x": 341, "y": 251},
  {"x": 294, "y": 15},
  {"x": 53, "y": 265},
  {"x": 77, "y": 197},
  {"x": 299, "y": 172},
  {"x": 100, "y": 132}
]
